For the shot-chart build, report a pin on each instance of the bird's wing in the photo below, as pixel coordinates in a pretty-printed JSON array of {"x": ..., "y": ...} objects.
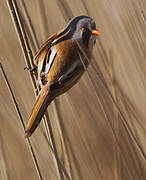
[
  {"x": 63, "y": 59},
  {"x": 42, "y": 55}
]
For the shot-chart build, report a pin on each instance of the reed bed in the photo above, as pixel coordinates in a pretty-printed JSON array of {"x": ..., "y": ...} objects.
[{"x": 95, "y": 131}]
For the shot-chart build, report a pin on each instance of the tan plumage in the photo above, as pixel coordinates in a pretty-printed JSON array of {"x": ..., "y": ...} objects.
[
  {"x": 60, "y": 65},
  {"x": 59, "y": 68}
]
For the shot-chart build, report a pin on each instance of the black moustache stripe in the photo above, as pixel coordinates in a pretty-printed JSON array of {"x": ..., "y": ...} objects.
[{"x": 86, "y": 36}]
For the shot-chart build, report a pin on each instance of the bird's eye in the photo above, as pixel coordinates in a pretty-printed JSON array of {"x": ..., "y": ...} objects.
[{"x": 83, "y": 29}]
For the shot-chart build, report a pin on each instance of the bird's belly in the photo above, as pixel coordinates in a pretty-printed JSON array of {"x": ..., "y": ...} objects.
[{"x": 62, "y": 88}]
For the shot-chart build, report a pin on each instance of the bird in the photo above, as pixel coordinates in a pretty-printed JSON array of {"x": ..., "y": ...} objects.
[{"x": 60, "y": 63}]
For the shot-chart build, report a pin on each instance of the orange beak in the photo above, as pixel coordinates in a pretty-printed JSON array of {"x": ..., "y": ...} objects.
[{"x": 96, "y": 33}]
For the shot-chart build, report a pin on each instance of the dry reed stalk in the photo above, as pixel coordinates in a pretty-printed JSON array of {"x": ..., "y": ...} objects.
[
  {"x": 47, "y": 124},
  {"x": 68, "y": 14},
  {"x": 31, "y": 28},
  {"x": 100, "y": 76},
  {"x": 28, "y": 57},
  {"x": 131, "y": 135},
  {"x": 21, "y": 39},
  {"x": 54, "y": 105},
  {"x": 115, "y": 121},
  {"x": 21, "y": 120},
  {"x": 124, "y": 122},
  {"x": 101, "y": 103}
]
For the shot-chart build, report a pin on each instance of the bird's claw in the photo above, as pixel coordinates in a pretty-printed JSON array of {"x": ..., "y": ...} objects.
[{"x": 32, "y": 70}]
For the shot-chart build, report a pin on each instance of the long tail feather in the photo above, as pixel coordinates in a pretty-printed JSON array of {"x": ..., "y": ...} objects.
[{"x": 40, "y": 106}]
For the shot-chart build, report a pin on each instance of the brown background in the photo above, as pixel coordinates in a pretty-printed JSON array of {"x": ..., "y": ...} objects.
[{"x": 89, "y": 145}]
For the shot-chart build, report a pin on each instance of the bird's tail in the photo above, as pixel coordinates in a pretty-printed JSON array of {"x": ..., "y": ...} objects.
[{"x": 43, "y": 100}]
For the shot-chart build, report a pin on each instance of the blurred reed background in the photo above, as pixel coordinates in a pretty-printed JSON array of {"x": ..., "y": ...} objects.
[{"x": 97, "y": 137}]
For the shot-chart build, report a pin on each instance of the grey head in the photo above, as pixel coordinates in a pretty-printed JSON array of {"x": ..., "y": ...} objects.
[{"x": 81, "y": 28}]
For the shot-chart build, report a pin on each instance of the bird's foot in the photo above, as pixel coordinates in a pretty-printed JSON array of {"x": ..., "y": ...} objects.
[{"x": 32, "y": 70}]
